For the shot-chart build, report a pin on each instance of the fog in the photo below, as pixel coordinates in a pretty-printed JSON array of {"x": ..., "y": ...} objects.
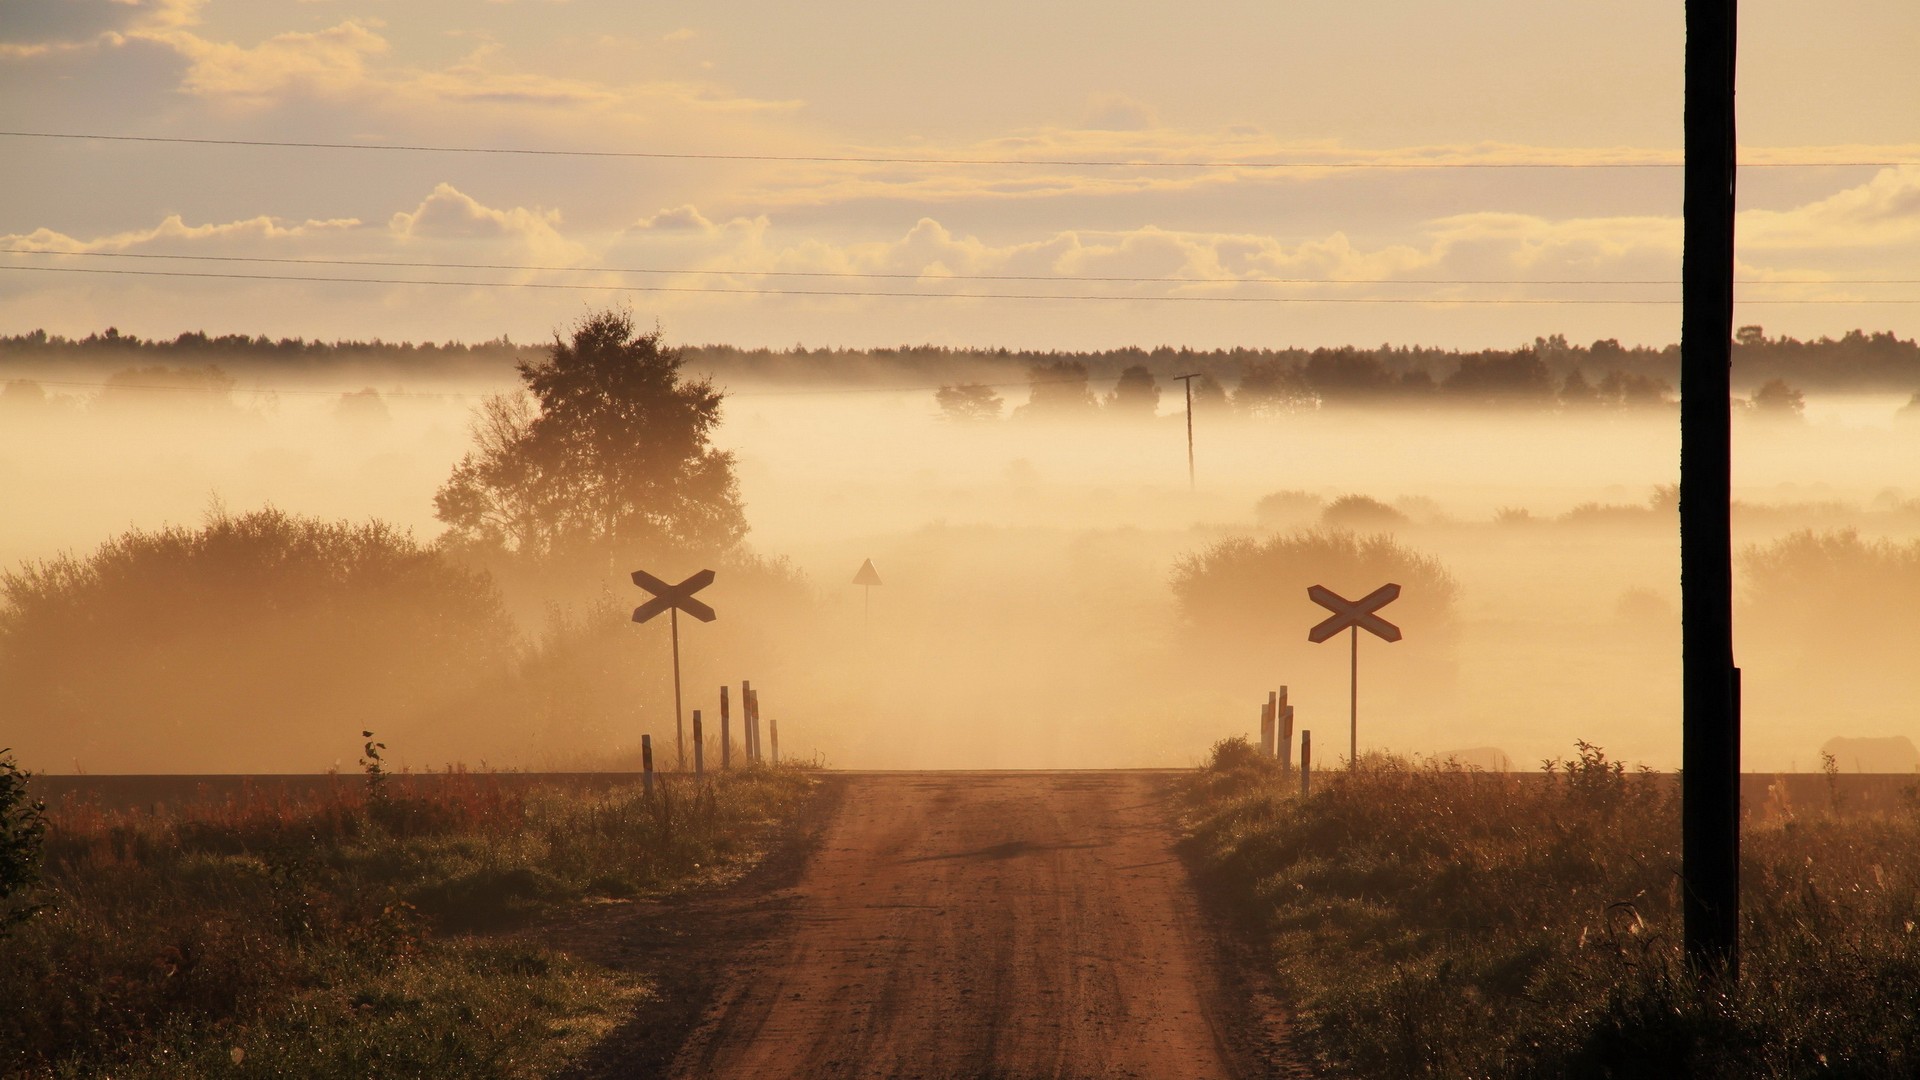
[{"x": 1027, "y": 617}]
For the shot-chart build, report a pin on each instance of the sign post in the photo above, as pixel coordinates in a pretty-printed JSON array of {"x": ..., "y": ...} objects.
[
  {"x": 1352, "y": 615},
  {"x": 674, "y": 599},
  {"x": 867, "y": 578}
]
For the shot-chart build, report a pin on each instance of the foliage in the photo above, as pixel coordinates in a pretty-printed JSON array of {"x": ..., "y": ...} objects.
[
  {"x": 252, "y": 635},
  {"x": 610, "y": 458},
  {"x": 968, "y": 402},
  {"x": 1241, "y": 584},
  {"x": 1428, "y": 920},
  {"x": 1272, "y": 387},
  {"x": 1136, "y": 394},
  {"x": 327, "y": 935},
  {"x": 1057, "y": 390},
  {"x": 1501, "y": 378},
  {"x": 1776, "y": 400},
  {"x": 23, "y": 824},
  {"x": 1361, "y": 512},
  {"x": 1836, "y": 595}
]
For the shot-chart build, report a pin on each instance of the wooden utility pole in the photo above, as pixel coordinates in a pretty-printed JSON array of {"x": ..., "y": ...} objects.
[
  {"x": 1710, "y": 742},
  {"x": 1187, "y": 381}
]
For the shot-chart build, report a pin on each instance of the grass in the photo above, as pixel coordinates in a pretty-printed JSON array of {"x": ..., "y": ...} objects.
[
  {"x": 380, "y": 928},
  {"x": 1430, "y": 921}
]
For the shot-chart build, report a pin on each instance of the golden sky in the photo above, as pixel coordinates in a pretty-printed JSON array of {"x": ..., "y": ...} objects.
[{"x": 1348, "y": 93}]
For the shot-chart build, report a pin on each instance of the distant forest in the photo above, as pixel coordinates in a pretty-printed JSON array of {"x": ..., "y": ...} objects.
[{"x": 1550, "y": 368}]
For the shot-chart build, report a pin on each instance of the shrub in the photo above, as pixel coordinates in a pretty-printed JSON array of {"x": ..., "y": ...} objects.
[
  {"x": 252, "y": 636},
  {"x": 23, "y": 826},
  {"x": 1245, "y": 586},
  {"x": 1361, "y": 512}
]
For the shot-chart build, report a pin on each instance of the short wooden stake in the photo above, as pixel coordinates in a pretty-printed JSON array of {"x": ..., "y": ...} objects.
[
  {"x": 1306, "y": 763},
  {"x": 746, "y": 719},
  {"x": 1266, "y": 728},
  {"x": 699, "y": 746},
  {"x": 1283, "y": 727},
  {"x": 646, "y": 762},
  {"x": 726, "y": 733},
  {"x": 773, "y": 739}
]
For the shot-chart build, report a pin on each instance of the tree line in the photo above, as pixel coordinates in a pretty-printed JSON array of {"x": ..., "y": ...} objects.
[{"x": 1856, "y": 360}]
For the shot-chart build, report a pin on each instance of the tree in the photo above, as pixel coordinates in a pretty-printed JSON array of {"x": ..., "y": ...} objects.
[
  {"x": 1776, "y": 400},
  {"x": 1058, "y": 389},
  {"x": 1272, "y": 386},
  {"x": 610, "y": 456},
  {"x": 968, "y": 402},
  {"x": 1501, "y": 378},
  {"x": 1136, "y": 394}
]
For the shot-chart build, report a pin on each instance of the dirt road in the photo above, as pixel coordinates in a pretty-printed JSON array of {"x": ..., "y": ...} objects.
[{"x": 985, "y": 925}]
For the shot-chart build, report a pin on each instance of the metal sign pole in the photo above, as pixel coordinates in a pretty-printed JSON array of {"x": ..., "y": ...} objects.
[
  {"x": 679, "y": 733},
  {"x": 1353, "y": 704}
]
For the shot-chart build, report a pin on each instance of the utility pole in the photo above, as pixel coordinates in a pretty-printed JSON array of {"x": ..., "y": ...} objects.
[
  {"x": 1187, "y": 381},
  {"x": 1710, "y": 740}
]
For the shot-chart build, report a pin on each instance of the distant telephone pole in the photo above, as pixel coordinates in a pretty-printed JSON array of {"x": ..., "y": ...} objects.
[
  {"x": 1710, "y": 730},
  {"x": 1187, "y": 381}
]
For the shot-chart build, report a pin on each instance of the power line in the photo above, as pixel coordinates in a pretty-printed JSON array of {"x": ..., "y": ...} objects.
[
  {"x": 864, "y": 159},
  {"x": 877, "y": 276},
  {"x": 849, "y": 293},
  {"x": 878, "y": 293}
]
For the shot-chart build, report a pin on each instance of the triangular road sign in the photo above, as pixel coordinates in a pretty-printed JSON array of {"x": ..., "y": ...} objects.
[{"x": 867, "y": 575}]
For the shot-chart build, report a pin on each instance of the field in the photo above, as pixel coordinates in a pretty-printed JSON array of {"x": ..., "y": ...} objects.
[
  {"x": 1428, "y": 920},
  {"x": 388, "y": 925}
]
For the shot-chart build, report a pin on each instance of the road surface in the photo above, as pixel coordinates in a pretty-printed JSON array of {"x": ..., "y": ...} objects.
[{"x": 985, "y": 925}]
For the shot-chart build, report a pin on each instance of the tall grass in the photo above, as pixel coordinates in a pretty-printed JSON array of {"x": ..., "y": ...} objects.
[
  {"x": 364, "y": 930},
  {"x": 1432, "y": 921}
]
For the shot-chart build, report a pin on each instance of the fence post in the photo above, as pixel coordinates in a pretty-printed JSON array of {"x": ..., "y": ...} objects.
[
  {"x": 1283, "y": 727},
  {"x": 1266, "y": 727},
  {"x": 646, "y": 762},
  {"x": 699, "y": 746},
  {"x": 753, "y": 719},
  {"x": 1306, "y": 763},
  {"x": 726, "y": 732},
  {"x": 746, "y": 720},
  {"x": 773, "y": 739}
]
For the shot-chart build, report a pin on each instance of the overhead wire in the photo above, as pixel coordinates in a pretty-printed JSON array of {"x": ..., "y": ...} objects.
[
  {"x": 902, "y": 159},
  {"x": 863, "y": 275}
]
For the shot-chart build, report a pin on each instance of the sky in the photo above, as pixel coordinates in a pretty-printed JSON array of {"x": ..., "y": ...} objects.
[{"x": 735, "y": 239}]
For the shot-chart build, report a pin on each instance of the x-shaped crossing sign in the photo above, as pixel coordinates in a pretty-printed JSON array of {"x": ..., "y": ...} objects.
[
  {"x": 667, "y": 597},
  {"x": 1353, "y": 612}
]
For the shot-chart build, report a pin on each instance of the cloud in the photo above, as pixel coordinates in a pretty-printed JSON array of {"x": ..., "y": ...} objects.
[
  {"x": 174, "y": 231},
  {"x": 1883, "y": 212},
  {"x": 679, "y": 219},
  {"x": 685, "y": 33},
  {"x": 1118, "y": 112},
  {"x": 325, "y": 63}
]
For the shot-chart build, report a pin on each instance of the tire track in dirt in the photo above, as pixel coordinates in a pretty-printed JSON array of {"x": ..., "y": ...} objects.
[{"x": 987, "y": 925}]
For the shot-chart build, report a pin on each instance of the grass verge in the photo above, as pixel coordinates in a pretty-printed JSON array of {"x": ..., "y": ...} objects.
[
  {"x": 364, "y": 931},
  {"x": 1431, "y": 921}
]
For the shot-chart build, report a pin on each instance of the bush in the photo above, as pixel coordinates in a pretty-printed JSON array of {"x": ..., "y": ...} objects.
[
  {"x": 23, "y": 825},
  {"x": 256, "y": 638},
  {"x": 1243, "y": 586}
]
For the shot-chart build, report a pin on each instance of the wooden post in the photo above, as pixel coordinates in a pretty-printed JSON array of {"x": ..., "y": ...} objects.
[
  {"x": 773, "y": 739},
  {"x": 699, "y": 746},
  {"x": 726, "y": 732},
  {"x": 646, "y": 762},
  {"x": 1710, "y": 727},
  {"x": 1283, "y": 728},
  {"x": 1306, "y": 763},
  {"x": 746, "y": 719},
  {"x": 759, "y": 729},
  {"x": 1266, "y": 727}
]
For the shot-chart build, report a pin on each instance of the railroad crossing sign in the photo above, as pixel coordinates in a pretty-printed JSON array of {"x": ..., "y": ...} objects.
[
  {"x": 1351, "y": 615},
  {"x": 674, "y": 599},
  {"x": 1357, "y": 613}
]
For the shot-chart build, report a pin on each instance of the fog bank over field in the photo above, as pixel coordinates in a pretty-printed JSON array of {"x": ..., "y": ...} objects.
[{"x": 1028, "y": 616}]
